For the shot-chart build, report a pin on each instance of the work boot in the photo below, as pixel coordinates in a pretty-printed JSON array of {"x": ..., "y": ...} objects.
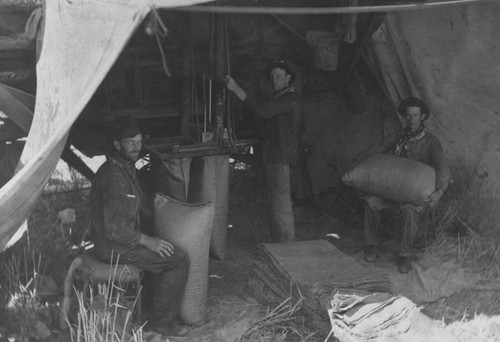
[
  {"x": 404, "y": 264},
  {"x": 371, "y": 253}
]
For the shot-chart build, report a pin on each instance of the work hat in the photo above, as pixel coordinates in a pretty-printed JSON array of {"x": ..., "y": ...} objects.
[
  {"x": 125, "y": 127},
  {"x": 281, "y": 64},
  {"x": 414, "y": 102}
]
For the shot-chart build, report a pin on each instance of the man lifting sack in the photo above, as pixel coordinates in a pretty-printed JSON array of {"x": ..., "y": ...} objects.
[{"x": 411, "y": 184}]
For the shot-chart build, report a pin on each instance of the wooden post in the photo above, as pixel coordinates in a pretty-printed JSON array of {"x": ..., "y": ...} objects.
[
  {"x": 220, "y": 71},
  {"x": 17, "y": 5}
]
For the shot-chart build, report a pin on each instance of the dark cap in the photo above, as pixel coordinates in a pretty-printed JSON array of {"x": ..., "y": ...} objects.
[
  {"x": 281, "y": 64},
  {"x": 125, "y": 127},
  {"x": 414, "y": 102}
]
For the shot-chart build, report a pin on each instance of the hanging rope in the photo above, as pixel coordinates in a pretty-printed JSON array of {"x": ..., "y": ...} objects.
[
  {"x": 159, "y": 29},
  {"x": 211, "y": 35},
  {"x": 194, "y": 89}
]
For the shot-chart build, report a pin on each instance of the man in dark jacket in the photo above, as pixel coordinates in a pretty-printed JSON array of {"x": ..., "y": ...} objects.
[
  {"x": 417, "y": 143},
  {"x": 116, "y": 198},
  {"x": 281, "y": 115}
]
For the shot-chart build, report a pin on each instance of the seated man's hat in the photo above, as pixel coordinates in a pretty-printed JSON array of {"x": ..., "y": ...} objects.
[
  {"x": 414, "y": 102},
  {"x": 125, "y": 127}
]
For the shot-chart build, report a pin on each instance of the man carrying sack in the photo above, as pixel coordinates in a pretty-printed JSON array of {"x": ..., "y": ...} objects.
[{"x": 414, "y": 142}]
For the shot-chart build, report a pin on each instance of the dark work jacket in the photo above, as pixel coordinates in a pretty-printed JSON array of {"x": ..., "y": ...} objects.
[
  {"x": 116, "y": 199},
  {"x": 428, "y": 150},
  {"x": 281, "y": 127}
]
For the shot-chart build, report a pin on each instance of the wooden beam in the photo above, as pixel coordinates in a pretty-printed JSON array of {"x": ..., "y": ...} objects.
[
  {"x": 283, "y": 22},
  {"x": 17, "y": 105},
  {"x": 285, "y": 10},
  {"x": 220, "y": 72},
  {"x": 16, "y": 5},
  {"x": 75, "y": 162},
  {"x": 175, "y": 3},
  {"x": 10, "y": 131}
]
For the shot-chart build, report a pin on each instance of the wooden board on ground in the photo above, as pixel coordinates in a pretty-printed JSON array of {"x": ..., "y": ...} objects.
[{"x": 318, "y": 262}]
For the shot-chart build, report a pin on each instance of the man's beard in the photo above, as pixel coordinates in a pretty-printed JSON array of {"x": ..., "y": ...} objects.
[{"x": 131, "y": 156}]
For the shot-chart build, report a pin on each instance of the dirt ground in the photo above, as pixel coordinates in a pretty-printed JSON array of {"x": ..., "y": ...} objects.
[
  {"x": 341, "y": 214},
  {"x": 233, "y": 307}
]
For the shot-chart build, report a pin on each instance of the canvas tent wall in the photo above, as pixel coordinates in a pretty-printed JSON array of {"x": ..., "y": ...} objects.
[
  {"x": 450, "y": 58},
  {"x": 82, "y": 40}
]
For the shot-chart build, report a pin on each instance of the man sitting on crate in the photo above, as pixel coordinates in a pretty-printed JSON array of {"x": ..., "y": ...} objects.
[
  {"x": 417, "y": 143},
  {"x": 116, "y": 198}
]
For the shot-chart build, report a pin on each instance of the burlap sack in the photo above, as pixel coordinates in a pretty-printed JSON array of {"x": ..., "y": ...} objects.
[
  {"x": 393, "y": 178},
  {"x": 171, "y": 178},
  {"x": 189, "y": 227},
  {"x": 209, "y": 182}
]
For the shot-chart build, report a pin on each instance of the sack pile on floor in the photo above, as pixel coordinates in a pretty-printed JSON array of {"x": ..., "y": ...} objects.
[{"x": 357, "y": 317}]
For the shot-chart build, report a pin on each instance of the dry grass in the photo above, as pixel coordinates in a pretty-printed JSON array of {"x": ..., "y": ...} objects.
[
  {"x": 280, "y": 324},
  {"x": 106, "y": 318},
  {"x": 41, "y": 255},
  {"x": 21, "y": 305},
  {"x": 480, "y": 328},
  {"x": 467, "y": 231}
]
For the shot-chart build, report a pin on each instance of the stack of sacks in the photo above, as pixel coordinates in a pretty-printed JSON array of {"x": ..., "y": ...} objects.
[{"x": 375, "y": 316}]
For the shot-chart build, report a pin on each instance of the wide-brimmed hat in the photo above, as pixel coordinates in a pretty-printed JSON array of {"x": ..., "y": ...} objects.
[
  {"x": 281, "y": 64},
  {"x": 414, "y": 102},
  {"x": 125, "y": 127}
]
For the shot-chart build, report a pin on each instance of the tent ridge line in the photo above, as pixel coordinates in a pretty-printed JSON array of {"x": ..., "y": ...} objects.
[{"x": 315, "y": 10}]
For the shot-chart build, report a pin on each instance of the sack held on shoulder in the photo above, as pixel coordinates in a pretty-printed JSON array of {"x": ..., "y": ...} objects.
[{"x": 394, "y": 178}]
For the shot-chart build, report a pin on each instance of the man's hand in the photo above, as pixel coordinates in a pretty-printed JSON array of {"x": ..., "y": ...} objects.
[
  {"x": 155, "y": 244},
  {"x": 235, "y": 88},
  {"x": 435, "y": 197},
  {"x": 231, "y": 83}
]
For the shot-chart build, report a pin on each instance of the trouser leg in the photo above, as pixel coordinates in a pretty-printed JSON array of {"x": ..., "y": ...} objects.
[
  {"x": 371, "y": 225},
  {"x": 409, "y": 215},
  {"x": 167, "y": 281},
  {"x": 279, "y": 202},
  {"x": 168, "y": 291}
]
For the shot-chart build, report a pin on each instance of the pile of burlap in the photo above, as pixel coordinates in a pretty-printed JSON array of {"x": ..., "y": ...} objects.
[{"x": 380, "y": 317}]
